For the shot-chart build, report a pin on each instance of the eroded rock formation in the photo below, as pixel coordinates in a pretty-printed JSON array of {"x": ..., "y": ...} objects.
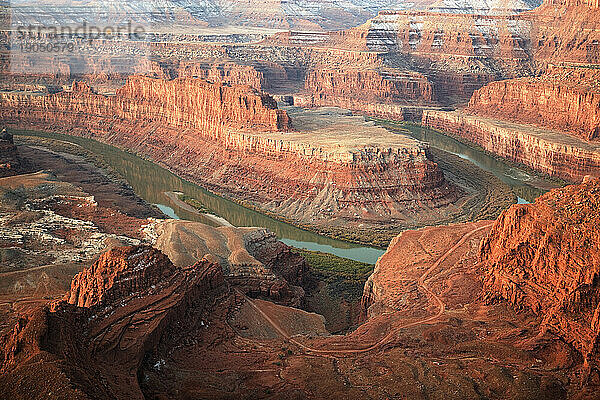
[
  {"x": 10, "y": 161},
  {"x": 185, "y": 103},
  {"x": 259, "y": 74},
  {"x": 377, "y": 92},
  {"x": 566, "y": 31},
  {"x": 115, "y": 312},
  {"x": 153, "y": 329},
  {"x": 229, "y": 139},
  {"x": 545, "y": 258},
  {"x": 458, "y": 53},
  {"x": 253, "y": 260}
]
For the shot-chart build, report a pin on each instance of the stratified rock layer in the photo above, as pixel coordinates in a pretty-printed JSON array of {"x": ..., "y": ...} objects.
[
  {"x": 458, "y": 53},
  {"x": 377, "y": 92},
  {"x": 230, "y": 140},
  {"x": 567, "y": 99},
  {"x": 551, "y": 152},
  {"x": 253, "y": 260},
  {"x": 258, "y": 74},
  {"x": 545, "y": 257}
]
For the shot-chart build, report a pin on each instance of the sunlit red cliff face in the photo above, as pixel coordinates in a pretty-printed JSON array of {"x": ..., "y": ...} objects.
[
  {"x": 552, "y": 152},
  {"x": 383, "y": 92},
  {"x": 550, "y": 121},
  {"x": 456, "y": 54},
  {"x": 545, "y": 258},
  {"x": 184, "y": 103}
]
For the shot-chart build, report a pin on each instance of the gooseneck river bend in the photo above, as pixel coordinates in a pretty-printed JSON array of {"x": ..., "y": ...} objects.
[{"x": 150, "y": 181}]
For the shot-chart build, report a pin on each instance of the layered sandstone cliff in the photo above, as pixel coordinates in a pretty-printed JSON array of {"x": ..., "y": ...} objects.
[
  {"x": 565, "y": 31},
  {"x": 98, "y": 336},
  {"x": 334, "y": 171},
  {"x": 458, "y": 53},
  {"x": 548, "y": 151},
  {"x": 185, "y": 103},
  {"x": 258, "y": 74},
  {"x": 545, "y": 258},
  {"x": 380, "y": 92},
  {"x": 566, "y": 99}
]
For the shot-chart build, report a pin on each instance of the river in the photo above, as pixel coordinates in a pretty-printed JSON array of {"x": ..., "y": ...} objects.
[{"x": 150, "y": 182}]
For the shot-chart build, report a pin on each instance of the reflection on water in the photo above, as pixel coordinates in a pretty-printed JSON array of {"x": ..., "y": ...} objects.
[
  {"x": 525, "y": 185},
  {"x": 151, "y": 181}
]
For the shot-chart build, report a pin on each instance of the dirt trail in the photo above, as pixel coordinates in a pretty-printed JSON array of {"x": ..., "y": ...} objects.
[{"x": 421, "y": 283}]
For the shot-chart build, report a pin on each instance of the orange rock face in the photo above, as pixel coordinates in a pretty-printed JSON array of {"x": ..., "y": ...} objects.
[
  {"x": 567, "y": 99},
  {"x": 259, "y": 74},
  {"x": 229, "y": 140},
  {"x": 566, "y": 31},
  {"x": 117, "y": 273},
  {"x": 458, "y": 53},
  {"x": 545, "y": 257},
  {"x": 226, "y": 72},
  {"x": 429, "y": 329},
  {"x": 185, "y": 103},
  {"x": 368, "y": 90}
]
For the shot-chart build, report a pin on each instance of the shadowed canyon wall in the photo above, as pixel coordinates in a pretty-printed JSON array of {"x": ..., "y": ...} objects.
[{"x": 115, "y": 312}]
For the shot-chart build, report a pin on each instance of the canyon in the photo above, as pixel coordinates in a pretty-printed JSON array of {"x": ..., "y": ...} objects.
[
  {"x": 548, "y": 122},
  {"x": 302, "y": 113},
  {"x": 189, "y": 15},
  {"x": 552, "y": 152},
  {"x": 55, "y": 221},
  {"x": 563, "y": 98},
  {"x": 235, "y": 141}
]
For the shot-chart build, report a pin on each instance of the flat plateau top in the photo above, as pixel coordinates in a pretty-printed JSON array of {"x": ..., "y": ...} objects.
[{"x": 337, "y": 130}]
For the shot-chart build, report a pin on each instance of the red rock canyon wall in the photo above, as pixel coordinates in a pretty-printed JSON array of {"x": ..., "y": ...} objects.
[
  {"x": 545, "y": 257},
  {"x": 551, "y": 152},
  {"x": 567, "y": 99}
]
